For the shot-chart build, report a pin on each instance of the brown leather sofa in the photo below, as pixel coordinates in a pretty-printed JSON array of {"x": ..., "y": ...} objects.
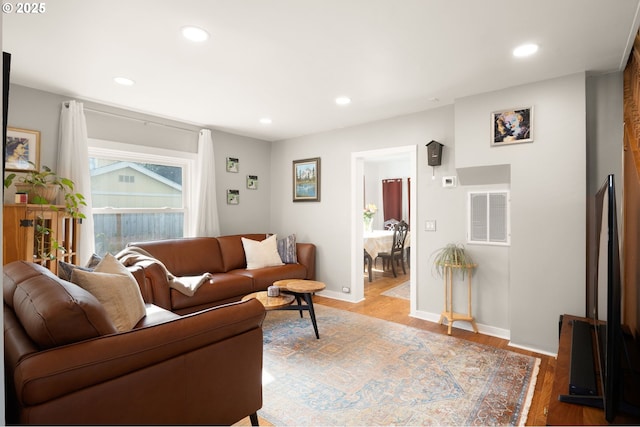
[
  {"x": 66, "y": 364},
  {"x": 224, "y": 258}
]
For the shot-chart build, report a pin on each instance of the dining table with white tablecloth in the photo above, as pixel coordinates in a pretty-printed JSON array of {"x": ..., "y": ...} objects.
[{"x": 377, "y": 241}]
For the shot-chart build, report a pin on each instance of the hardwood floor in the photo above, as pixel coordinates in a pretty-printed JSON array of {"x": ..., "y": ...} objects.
[{"x": 397, "y": 310}]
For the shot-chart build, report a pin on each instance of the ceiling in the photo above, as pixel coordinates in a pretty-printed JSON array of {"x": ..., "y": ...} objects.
[{"x": 289, "y": 59}]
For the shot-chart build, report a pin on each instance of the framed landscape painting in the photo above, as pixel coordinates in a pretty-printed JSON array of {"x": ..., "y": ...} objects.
[
  {"x": 306, "y": 180},
  {"x": 22, "y": 150},
  {"x": 512, "y": 126}
]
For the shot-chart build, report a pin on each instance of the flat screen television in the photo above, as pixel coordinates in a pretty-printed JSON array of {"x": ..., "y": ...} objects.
[
  {"x": 6, "y": 66},
  {"x": 615, "y": 364},
  {"x": 606, "y": 293}
]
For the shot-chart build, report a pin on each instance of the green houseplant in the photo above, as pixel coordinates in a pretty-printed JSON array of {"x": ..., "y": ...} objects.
[
  {"x": 42, "y": 187},
  {"x": 451, "y": 254}
]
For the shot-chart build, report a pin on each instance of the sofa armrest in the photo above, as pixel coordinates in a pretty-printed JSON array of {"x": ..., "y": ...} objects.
[
  {"x": 153, "y": 283},
  {"x": 306, "y": 254},
  {"x": 61, "y": 371}
]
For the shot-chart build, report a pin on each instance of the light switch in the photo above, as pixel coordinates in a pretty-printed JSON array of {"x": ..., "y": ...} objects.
[{"x": 430, "y": 225}]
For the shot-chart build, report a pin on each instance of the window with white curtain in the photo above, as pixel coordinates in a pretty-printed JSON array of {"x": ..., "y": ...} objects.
[
  {"x": 138, "y": 195},
  {"x": 488, "y": 218}
]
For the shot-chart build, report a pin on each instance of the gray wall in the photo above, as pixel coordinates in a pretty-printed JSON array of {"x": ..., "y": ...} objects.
[
  {"x": 38, "y": 110},
  {"x": 605, "y": 128},
  {"x": 518, "y": 291},
  {"x": 545, "y": 267}
]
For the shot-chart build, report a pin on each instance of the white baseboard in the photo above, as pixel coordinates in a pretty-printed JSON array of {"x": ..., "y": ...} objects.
[
  {"x": 493, "y": 331},
  {"x": 341, "y": 296},
  {"x": 483, "y": 329}
]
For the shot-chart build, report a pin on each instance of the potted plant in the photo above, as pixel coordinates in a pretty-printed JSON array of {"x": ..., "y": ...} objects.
[
  {"x": 451, "y": 255},
  {"x": 42, "y": 187}
]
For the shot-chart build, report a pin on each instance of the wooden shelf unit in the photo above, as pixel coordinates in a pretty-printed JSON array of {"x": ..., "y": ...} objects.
[{"x": 21, "y": 241}]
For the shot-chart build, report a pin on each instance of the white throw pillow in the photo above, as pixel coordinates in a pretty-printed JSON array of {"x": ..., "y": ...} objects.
[
  {"x": 261, "y": 254},
  {"x": 116, "y": 289}
]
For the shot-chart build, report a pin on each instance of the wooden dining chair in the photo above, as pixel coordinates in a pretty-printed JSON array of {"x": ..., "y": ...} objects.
[
  {"x": 389, "y": 224},
  {"x": 396, "y": 254}
]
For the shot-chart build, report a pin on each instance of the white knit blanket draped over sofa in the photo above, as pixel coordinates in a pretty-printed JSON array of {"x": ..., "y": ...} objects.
[{"x": 187, "y": 285}]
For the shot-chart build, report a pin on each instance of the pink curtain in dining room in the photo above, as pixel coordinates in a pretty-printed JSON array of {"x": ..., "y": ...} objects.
[{"x": 392, "y": 198}]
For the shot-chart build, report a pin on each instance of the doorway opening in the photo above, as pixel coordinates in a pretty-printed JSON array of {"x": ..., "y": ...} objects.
[{"x": 361, "y": 162}]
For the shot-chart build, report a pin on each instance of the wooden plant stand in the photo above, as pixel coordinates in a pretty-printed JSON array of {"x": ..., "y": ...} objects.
[{"x": 448, "y": 312}]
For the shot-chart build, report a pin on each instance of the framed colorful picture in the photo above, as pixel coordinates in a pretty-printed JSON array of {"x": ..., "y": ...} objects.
[
  {"x": 513, "y": 126},
  {"x": 252, "y": 182},
  {"x": 306, "y": 180},
  {"x": 233, "y": 197},
  {"x": 233, "y": 164},
  {"x": 22, "y": 150}
]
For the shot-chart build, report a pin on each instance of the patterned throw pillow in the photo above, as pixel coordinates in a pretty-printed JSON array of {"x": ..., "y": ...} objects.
[
  {"x": 287, "y": 249},
  {"x": 65, "y": 269}
]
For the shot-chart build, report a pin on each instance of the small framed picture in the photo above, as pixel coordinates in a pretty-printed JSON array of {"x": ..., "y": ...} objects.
[
  {"x": 252, "y": 182},
  {"x": 306, "y": 180},
  {"x": 513, "y": 126},
  {"x": 22, "y": 150},
  {"x": 233, "y": 197},
  {"x": 233, "y": 164}
]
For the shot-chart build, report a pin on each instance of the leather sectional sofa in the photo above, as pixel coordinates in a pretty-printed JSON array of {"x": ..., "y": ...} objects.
[
  {"x": 224, "y": 258},
  {"x": 66, "y": 363}
]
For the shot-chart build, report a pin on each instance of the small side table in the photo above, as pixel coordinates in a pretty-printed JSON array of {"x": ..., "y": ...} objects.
[
  {"x": 270, "y": 303},
  {"x": 448, "y": 312},
  {"x": 302, "y": 289}
]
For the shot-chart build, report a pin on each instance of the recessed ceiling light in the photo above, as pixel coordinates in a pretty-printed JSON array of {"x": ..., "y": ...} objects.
[
  {"x": 343, "y": 100},
  {"x": 124, "y": 81},
  {"x": 266, "y": 121},
  {"x": 194, "y": 34},
  {"x": 525, "y": 50}
]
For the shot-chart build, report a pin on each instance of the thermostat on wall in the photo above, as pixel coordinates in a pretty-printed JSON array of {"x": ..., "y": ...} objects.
[{"x": 449, "y": 181}]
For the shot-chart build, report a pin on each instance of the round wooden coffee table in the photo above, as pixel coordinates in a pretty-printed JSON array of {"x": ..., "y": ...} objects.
[
  {"x": 270, "y": 303},
  {"x": 302, "y": 289}
]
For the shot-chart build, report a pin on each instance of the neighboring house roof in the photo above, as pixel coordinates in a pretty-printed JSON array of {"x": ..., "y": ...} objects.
[{"x": 124, "y": 165}]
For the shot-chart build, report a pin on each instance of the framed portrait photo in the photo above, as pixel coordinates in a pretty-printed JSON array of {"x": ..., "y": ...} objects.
[
  {"x": 513, "y": 126},
  {"x": 22, "y": 150},
  {"x": 306, "y": 180}
]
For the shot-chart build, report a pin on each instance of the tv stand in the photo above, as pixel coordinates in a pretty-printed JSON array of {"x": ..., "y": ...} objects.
[{"x": 568, "y": 409}]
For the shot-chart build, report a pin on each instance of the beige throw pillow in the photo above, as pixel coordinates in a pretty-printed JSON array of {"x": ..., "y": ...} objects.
[
  {"x": 115, "y": 287},
  {"x": 261, "y": 254}
]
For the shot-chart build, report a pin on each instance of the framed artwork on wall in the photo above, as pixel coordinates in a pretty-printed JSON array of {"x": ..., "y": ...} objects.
[
  {"x": 252, "y": 182},
  {"x": 22, "y": 150},
  {"x": 233, "y": 197},
  {"x": 306, "y": 180},
  {"x": 513, "y": 126},
  {"x": 233, "y": 164}
]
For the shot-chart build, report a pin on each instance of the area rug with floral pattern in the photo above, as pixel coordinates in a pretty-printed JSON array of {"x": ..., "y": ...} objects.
[{"x": 367, "y": 371}]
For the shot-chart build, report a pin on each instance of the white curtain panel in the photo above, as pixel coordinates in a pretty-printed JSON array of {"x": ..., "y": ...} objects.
[
  {"x": 207, "y": 222},
  {"x": 73, "y": 163}
]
